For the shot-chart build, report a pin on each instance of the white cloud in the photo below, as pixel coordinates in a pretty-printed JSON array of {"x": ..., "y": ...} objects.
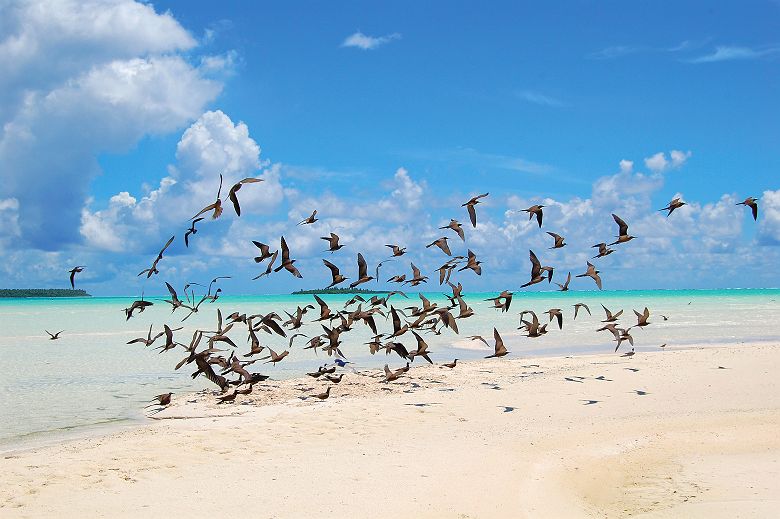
[
  {"x": 731, "y": 52},
  {"x": 79, "y": 79},
  {"x": 213, "y": 144},
  {"x": 365, "y": 42},
  {"x": 769, "y": 218},
  {"x": 658, "y": 163}
]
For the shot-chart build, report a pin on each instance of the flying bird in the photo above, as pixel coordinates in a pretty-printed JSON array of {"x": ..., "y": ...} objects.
[
  {"x": 153, "y": 269},
  {"x": 500, "y": 350},
  {"x": 676, "y": 203},
  {"x": 216, "y": 207},
  {"x": 623, "y": 235},
  {"x": 335, "y": 274},
  {"x": 457, "y": 227},
  {"x": 752, "y": 203},
  {"x": 603, "y": 250},
  {"x": 559, "y": 240},
  {"x": 287, "y": 263},
  {"x": 75, "y": 270},
  {"x": 333, "y": 242},
  {"x": 535, "y": 210},
  {"x": 592, "y": 273},
  {"x": 311, "y": 219},
  {"x": 191, "y": 230},
  {"x": 442, "y": 244},
  {"x": 54, "y": 336},
  {"x": 470, "y": 207},
  {"x": 236, "y": 187},
  {"x": 363, "y": 276},
  {"x": 577, "y": 307}
]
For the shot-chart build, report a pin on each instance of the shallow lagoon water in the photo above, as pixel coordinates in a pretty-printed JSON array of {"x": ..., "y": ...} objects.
[{"x": 91, "y": 376}]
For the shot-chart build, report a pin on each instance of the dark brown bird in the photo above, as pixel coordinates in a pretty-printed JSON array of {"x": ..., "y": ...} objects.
[
  {"x": 391, "y": 375},
  {"x": 270, "y": 267},
  {"x": 559, "y": 240},
  {"x": 472, "y": 264},
  {"x": 333, "y": 242},
  {"x": 457, "y": 227},
  {"x": 148, "y": 340},
  {"x": 335, "y": 380},
  {"x": 470, "y": 207},
  {"x": 311, "y": 219},
  {"x": 216, "y": 207},
  {"x": 363, "y": 276},
  {"x": 592, "y": 273},
  {"x": 535, "y": 210},
  {"x": 676, "y": 203},
  {"x": 565, "y": 286},
  {"x": 642, "y": 319},
  {"x": 236, "y": 187},
  {"x": 422, "y": 349},
  {"x": 451, "y": 364},
  {"x": 191, "y": 230},
  {"x": 287, "y": 263},
  {"x": 623, "y": 235},
  {"x": 603, "y": 250},
  {"x": 335, "y": 274},
  {"x": 274, "y": 357},
  {"x": 265, "y": 251},
  {"x": 417, "y": 276},
  {"x": 54, "y": 336},
  {"x": 611, "y": 318},
  {"x": 75, "y": 270},
  {"x": 153, "y": 269},
  {"x": 442, "y": 244},
  {"x": 502, "y": 300},
  {"x": 397, "y": 251},
  {"x": 752, "y": 203},
  {"x": 555, "y": 313},
  {"x": 136, "y": 305},
  {"x": 163, "y": 399},
  {"x": 577, "y": 307},
  {"x": 500, "y": 350},
  {"x": 536, "y": 270},
  {"x": 174, "y": 301},
  {"x": 325, "y": 395}
]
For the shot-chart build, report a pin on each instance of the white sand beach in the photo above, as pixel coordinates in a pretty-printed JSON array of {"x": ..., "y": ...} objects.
[{"x": 513, "y": 437}]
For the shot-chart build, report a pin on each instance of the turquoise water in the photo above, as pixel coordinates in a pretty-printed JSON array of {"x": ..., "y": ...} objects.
[{"x": 91, "y": 376}]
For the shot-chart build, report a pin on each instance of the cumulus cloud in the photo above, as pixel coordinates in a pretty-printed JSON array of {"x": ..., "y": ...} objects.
[
  {"x": 213, "y": 144},
  {"x": 365, "y": 42},
  {"x": 79, "y": 79},
  {"x": 658, "y": 163}
]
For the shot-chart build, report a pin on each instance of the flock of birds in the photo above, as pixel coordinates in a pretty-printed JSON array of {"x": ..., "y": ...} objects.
[{"x": 208, "y": 350}]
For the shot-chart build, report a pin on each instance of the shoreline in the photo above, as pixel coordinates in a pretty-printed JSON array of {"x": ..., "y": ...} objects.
[
  {"x": 698, "y": 440},
  {"x": 45, "y": 438}
]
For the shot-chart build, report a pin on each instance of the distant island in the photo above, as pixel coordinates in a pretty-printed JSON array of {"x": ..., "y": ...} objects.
[
  {"x": 42, "y": 292},
  {"x": 340, "y": 291}
]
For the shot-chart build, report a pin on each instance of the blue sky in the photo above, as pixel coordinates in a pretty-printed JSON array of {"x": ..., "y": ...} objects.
[{"x": 441, "y": 101}]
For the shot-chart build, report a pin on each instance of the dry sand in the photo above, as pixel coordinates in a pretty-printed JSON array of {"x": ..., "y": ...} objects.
[{"x": 702, "y": 442}]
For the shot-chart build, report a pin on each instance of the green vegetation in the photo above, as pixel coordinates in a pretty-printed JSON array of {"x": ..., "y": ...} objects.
[
  {"x": 339, "y": 291},
  {"x": 42, "y": 292}
]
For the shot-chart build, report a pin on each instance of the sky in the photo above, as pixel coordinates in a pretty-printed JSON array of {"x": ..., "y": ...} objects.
[{"x": 118, "y": 117}]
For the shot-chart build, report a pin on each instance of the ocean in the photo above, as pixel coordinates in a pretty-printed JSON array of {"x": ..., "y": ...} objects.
[{"x": 90, "y": 377}]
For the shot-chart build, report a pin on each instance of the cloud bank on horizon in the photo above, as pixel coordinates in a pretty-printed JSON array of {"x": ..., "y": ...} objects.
[{"x": 81, "y": 80}]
